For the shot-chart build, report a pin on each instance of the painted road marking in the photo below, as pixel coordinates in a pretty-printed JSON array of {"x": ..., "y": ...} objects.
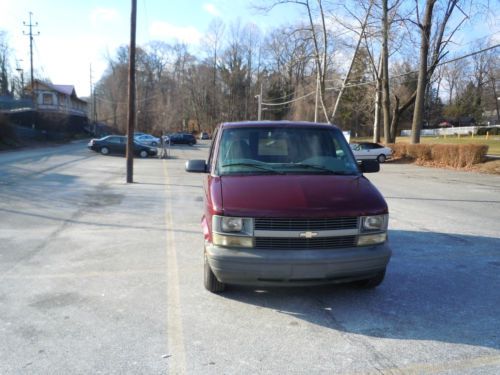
[{"x": 175, "y": 336}]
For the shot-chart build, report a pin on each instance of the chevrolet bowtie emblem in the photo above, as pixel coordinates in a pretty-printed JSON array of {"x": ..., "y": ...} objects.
[{"x": 308, "y": 234}]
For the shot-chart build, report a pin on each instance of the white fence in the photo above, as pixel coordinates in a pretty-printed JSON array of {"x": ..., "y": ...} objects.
[{"x": 463, "y": 130}]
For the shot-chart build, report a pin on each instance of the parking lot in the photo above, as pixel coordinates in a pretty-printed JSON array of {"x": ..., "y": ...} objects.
[{"x": 100, "y": 276}]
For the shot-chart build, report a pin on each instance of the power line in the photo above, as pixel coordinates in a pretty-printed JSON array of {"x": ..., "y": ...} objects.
[{"x": 391, "y": 78}]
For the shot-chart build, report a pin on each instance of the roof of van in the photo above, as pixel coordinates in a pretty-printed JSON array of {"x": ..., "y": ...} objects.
[{"x": 276, "y": 124}]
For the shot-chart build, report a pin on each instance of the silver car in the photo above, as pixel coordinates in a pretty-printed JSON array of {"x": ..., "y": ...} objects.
[{"x": 369, "y": 150}]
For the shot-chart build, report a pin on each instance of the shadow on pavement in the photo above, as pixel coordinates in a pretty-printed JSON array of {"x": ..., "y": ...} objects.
[{"x": 439, "y": 286}]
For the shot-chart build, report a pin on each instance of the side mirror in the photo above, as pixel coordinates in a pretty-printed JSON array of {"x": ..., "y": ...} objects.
[
  {"x": 369, "y": 166},
  {"x": 196, "y": 166}
]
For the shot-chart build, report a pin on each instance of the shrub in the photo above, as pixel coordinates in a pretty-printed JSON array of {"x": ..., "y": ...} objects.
[
  {"x": 398, "y": 149},
  {"x": 6, "y": 130},
  {"x": 456, "y": 156}
]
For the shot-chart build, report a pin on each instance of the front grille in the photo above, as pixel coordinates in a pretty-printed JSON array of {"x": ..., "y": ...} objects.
[
  {"x": 304, "y": 243},
  {"x": 306, "y": 224}
]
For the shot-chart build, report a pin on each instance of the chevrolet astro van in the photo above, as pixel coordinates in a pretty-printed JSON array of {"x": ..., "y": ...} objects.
[{"x": 286, "y": 203}]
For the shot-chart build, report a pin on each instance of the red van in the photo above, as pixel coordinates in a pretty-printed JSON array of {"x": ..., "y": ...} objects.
[{"x": 286, "y": 203}]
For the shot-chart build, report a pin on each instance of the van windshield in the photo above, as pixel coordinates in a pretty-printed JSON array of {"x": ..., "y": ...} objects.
[{"x": 284, "y": 150}]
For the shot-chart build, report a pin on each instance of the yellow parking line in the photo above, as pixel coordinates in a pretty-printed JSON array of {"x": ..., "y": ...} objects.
[{"x": 175, "y": 336}]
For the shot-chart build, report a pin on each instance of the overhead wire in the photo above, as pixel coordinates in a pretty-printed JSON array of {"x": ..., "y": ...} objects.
[{"x": 390, "y": 78}]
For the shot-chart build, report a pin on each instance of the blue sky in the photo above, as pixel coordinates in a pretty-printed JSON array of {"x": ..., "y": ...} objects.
[{"x": 77, "y": 33}]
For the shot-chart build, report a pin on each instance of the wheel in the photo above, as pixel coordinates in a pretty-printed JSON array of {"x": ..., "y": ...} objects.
[
  {"x": 209, "y": 280},
  {"x": 154, "y": 144},
  {"x": 381, "y": 158},
  {"x": 143, "y": 154},
  {"x": 372, "y": 282},
  {"x": 191, "y": 143},
  {"x": 104, "y": 150}
]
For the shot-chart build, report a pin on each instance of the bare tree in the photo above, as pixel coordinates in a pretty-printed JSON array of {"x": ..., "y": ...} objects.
[{"x": 4, "y": 64}]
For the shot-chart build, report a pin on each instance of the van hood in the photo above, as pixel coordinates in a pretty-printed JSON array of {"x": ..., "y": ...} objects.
[{"x": 300, "y": 196}]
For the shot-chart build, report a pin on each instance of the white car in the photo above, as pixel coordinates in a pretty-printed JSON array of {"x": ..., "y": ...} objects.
[
  {"x": 147, "y": 139},
  {"x": 369, "y": 150}
]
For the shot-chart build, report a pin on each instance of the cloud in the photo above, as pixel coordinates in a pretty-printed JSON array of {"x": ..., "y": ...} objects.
[
  {"x": 210, "y": 8},
  {"x": 188, "y": 34},
  {"x": 99, "y": 15}
]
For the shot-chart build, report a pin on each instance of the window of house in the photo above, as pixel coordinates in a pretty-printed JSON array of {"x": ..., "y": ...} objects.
[{"x": 47, "y": 99}]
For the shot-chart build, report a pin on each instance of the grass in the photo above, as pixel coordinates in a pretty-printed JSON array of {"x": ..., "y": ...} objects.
[{"x": 493, "y": 141}]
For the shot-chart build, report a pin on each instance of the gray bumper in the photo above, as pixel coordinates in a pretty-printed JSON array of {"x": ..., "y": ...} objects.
[{"x": 296, "y": 267}]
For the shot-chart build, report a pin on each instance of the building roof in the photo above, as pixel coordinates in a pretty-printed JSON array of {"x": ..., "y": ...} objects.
[{"x": 63, "y": 89}]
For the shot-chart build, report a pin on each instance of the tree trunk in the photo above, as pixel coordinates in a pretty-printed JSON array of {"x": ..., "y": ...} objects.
[
  {"x": 386, "y": 103},
  {"x": 422, "y": 72},
  {"x": 376, "y": 121}
]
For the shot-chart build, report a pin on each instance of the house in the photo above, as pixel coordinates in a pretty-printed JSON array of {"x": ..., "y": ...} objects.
[{"x": 49, "y": 97}]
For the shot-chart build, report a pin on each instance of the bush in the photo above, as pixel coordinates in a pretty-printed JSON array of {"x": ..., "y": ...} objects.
[
  {"x": 6, "y": 130},
  {"x": 489, "y": 130},
  {"x": 456, "y": 156},
  {"x": 398, "y": 149}
]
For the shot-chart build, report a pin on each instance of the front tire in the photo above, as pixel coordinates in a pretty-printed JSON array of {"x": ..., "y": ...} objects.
[
  {"x": 209, "y": 280},
  {"x": 381, "y": 158},
  {"x": 143, "y": 154},
  {"x": 104, "y": 150}
]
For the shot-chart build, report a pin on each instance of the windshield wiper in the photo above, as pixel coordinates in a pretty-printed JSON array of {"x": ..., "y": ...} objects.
[
  {"x": 324, "y": 169},
  {"x": 256, "y": 166}
]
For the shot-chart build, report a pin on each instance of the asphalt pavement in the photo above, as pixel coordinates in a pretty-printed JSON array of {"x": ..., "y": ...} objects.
[{"x": 100, "y": 276}]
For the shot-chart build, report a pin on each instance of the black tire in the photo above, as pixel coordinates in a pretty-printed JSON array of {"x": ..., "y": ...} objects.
[
  {"x": 381, "y": 158},
  {"x": 372, "y": 282},
  {"x": 191, "y": 143},
  {"x": 209, "y": 280},
  {"x": 104, "y": 150},
  {"x": 143, "y": 154}
]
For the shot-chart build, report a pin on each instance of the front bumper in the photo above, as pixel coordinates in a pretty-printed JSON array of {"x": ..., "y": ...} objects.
[{"x": 296, "y": 267}]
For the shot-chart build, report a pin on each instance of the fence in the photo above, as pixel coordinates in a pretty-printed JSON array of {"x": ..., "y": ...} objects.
[
  {"x": 11, "y": 104},
  {"x": 463, "y": 130}
]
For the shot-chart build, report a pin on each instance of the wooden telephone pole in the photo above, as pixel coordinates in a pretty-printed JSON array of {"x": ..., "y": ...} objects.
[{"x": 131, "y": 95}]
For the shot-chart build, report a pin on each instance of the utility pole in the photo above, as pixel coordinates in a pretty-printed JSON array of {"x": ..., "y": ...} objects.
[
  {"x": 93, "y": 112},
  {"x": 30, "y": 33},
  {"x": 131, "y": 95},
  {"x": 316, "y": 98},
  {"x": 21, "y": 73},
  {"x": 259, "y": 97}
]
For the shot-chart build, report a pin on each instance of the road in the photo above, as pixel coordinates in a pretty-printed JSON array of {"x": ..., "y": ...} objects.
[{"x": 100, "y": 276}]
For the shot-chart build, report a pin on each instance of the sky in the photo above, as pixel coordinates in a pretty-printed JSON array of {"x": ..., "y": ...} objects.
[{"x": 75, "y": 34}]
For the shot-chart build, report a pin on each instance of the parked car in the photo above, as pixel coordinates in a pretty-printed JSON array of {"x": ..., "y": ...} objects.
[
  {"x": 286, "y": 203},
  {"x": 117, "y": 144},
  {"x": 369, "y": 150},
  {"x": 147, "y": 139},
  {"x": 182, "y": 138},
  {"x": 204, "y": 135}
]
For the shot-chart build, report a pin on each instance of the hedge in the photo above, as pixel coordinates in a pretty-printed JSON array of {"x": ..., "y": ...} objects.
[{"x": 456, "y": 156}]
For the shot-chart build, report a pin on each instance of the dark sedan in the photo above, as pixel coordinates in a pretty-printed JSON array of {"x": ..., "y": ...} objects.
[
  {"x": 117, "y": 144},
  {"x": 182, "y": 138}
]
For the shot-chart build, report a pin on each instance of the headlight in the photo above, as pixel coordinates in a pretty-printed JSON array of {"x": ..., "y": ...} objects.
[
  {"x": 232, "y": 231},
  {"x": 232, "y": 241},
  {"x": 234, "y": 225},
  {"x": 231, "y": 224},
  {"x": 374, "y": 223},
  {"x": 372, "y": 239}
]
